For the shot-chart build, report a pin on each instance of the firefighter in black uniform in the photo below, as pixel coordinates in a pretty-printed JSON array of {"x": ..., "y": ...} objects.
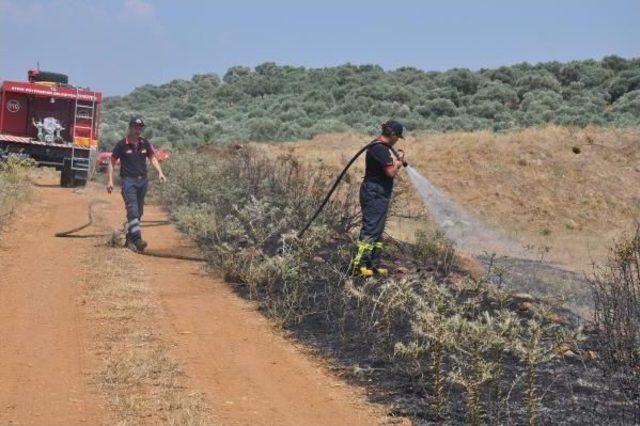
[
  {"x": 375, "y": 196},
  {"x": 133, "y": 151}
]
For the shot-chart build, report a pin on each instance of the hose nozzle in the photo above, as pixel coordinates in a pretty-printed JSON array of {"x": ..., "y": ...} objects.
[{"x": 395, "y": 153}]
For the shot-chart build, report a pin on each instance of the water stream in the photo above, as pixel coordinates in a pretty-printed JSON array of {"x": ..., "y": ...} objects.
[
  {"x": 461, "y": 227},
  {"x": 523, "y": 269}
]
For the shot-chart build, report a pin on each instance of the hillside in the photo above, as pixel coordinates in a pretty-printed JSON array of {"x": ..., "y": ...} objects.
[{"x": 279, "y": 103}]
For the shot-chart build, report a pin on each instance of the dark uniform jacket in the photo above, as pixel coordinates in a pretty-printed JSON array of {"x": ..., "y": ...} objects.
[
  {"x": 377, "y": 159},
  {"x": 133, "y": 157}
]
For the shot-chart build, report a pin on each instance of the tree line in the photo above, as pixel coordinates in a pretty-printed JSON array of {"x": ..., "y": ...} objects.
[{"x": 279, "y": 103}]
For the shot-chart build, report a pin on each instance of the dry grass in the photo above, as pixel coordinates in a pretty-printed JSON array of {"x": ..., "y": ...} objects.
[
  {"x": 616, "y": 288},
  {"x": 568, "y": 188},
  {"x": 14, "y": 186},
  {"x": 141, "y": 382}
]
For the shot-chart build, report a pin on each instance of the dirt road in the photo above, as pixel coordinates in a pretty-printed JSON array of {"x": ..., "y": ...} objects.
[
  {"x": 45, "y": 361},
  {"x": 247, "y": 372}
]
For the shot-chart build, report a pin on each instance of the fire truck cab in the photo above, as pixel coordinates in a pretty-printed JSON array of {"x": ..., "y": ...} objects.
[{"x": 52, "y": 122}]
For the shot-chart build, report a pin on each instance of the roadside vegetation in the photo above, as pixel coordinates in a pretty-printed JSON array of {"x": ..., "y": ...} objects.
[
  {"x": 14, "y": 185},
  {"x": 432, "y": 342},
  {"x": 279, "y": 103}
]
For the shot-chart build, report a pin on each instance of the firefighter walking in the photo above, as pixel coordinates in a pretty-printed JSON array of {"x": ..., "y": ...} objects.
[
  {"x": 375, "y": 196},
  {"x": 133, "y": 152}
]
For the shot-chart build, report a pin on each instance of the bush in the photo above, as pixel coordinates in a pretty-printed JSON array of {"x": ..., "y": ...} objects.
[
  {"x": 624, "y": 82},
  {"x": 463, "y": 80},
  {"x": 488, "y": 109},
  {"x": 496, "y": 91},
  {"x": 539, "y": 107},
  {"x": 537, "y": 81},
  {"x": 581, "y": 109},
  {"x": 437, "y": 108},
  {"x": 616, "y": 292},
  {"x": 263, "y": 129},
  {"x": 629, "y": 103}
]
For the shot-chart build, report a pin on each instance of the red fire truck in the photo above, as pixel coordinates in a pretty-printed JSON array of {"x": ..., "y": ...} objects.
[{"x": 52, "y": 122}]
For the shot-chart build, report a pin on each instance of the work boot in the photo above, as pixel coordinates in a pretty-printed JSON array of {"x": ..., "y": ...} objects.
[
  {"x": 363, "y": 252},
  {"x": 383, "y": 272},
  {"x": 131, "y": 245},
  {"x": 141, "y": 245},
  {"x": 138, "y": 246},
  {"x": 365, "y": 272}
]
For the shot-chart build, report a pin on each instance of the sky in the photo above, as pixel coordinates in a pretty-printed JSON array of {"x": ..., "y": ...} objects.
[{"x": 117, "y": 45}]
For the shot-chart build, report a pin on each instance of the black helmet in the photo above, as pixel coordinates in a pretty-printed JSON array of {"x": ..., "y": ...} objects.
[
  {"x": 136, "y": 121},
  {"x": 393, "y": 127}
]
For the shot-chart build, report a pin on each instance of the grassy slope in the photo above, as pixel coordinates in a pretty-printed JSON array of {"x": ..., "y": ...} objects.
[{"x": 529, "y": 183}]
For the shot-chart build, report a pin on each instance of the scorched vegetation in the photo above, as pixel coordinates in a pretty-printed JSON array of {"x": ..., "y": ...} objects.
[{"x": 431, "y": 341}]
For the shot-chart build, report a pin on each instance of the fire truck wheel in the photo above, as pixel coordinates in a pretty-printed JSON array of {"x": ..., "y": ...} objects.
[
  {"x": 66, "y": 175},
  {"x": 80, "y": 178}
]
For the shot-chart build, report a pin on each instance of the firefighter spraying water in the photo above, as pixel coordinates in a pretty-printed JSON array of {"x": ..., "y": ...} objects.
[
  {"x": 375, "y": 196},
  {"x": 461, "y": 227}
]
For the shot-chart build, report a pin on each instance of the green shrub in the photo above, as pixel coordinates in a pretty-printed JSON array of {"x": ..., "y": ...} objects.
[
  {"x": 275, "y": 103},
  {"x": 497, "y": 91},
  {"x": 629, "y": 103},
  {"x": 539, "y": 107},
  {"x": 626, "y": 81},
  {"x": 437, "y": 108},
  {"x": 263, "y": 129},
  {"x": 536, "y": 81}
]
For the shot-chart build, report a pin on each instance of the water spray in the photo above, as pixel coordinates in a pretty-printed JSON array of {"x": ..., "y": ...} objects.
[
  {"x": 458, "y": 224},
  {"x": 341, "y": 175}
]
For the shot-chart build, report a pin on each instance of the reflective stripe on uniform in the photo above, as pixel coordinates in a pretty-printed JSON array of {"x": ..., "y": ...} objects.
[
  {"x": 134, "y": 226},
  {"x": 363, "y": 247}
]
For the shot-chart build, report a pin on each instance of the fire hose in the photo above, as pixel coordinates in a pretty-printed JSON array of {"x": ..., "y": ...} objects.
[
  {"x": 340, "y": 176},
  {"x": 72, "y": 233}
]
